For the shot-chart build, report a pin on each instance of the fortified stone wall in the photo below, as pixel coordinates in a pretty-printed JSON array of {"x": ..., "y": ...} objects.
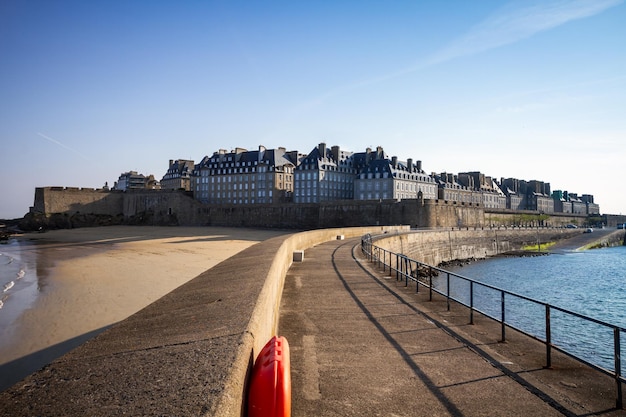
[
  {"x": 435, "y": 247},
  {"x": 161, "y": 207},
  {"x": 49, "y": 200},
  {"x": 417, "y": 213}
]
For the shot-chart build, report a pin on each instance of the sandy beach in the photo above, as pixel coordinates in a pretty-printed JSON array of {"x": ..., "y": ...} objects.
[{"x": 91, "y": 278}]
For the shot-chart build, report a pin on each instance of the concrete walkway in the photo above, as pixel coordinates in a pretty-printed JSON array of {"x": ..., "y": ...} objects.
[{"x": 363, "y": 344}]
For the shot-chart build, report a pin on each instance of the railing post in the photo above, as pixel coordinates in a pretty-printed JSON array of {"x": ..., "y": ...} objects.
[
  {"x": 397, "y": 265},
  {"x": 430, "y": 286},
  {"x": 417, "y": 277},
  {"x": 503, "y": 316},
  {"x": 448, "y": 290},
  {"x": 548, "y": 338},
  {"x": 406, "y": 271},
  {"x": 618, "y": 367},
  {"x": 471, "y": 302},
  {"x": 384, "y": 261}
]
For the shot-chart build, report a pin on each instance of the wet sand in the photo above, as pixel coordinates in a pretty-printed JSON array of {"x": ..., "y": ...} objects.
[{"x": 100, "y": 276}]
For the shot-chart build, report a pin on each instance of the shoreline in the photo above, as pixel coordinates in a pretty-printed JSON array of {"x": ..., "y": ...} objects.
[{"x": 92, "y": 278}]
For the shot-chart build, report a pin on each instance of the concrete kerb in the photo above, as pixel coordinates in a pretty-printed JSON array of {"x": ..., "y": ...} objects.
[{"x": 263, "y": 322}]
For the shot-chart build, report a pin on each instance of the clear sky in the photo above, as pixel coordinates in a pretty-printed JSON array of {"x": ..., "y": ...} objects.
[{"x": 534, "y": 90}]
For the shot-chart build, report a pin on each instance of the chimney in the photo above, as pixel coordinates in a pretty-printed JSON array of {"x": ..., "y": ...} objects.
[
  {"x": 418, "y": 166},
  {"x": 322, "y": 149},
  {"x": 368, "y": 155},
  {"x": 379, "y": 152},
  {"x": 394, "y": 161},
  {"x": 171, "y": 162},
  {"x": 336, "y": 153},
  {"x": 450, "y": 178},
  {"x": 409, "y": 164}
]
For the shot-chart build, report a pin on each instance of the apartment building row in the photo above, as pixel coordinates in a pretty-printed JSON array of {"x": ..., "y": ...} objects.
[{"x": 269, "y": 176}]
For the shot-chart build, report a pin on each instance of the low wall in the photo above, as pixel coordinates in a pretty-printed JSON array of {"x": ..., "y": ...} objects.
[
  {"x": 264, "y": 318},
  {"x": 188, "y": 353}
]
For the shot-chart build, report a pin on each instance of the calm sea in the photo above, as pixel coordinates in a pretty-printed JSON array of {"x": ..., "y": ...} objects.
[
  {"x": 22, "y": 279},
  {"x": 592, "y": 283}
]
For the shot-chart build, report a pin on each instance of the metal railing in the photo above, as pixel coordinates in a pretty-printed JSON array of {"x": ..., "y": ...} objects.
[{"x": 412, "y": 271}]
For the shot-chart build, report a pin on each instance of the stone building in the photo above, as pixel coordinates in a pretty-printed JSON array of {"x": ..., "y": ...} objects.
[
  {"x": 578, "y": 205},
  {"x": 514, "y": 190},
  {"x": 488, "y": 191},
  {"x": 592, "y": 208},
  {"x": 264, "y": 176},
  {"x": 539, "y": 197},
  {"x": 382, "y": 178},
  {"x": 326, "y": 174},
  {"x": 566, "y": 202},
  {"x": 178, "y": 175},
  {"x": 449, "y": 189},
  {"x": 132, "y": 180}
]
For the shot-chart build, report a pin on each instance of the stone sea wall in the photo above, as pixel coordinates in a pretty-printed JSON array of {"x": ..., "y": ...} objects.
[
  {"x": 435, "y": 247},
  {"x": 64, "y": 207}
]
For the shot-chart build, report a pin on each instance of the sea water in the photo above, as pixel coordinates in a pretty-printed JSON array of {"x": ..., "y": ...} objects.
[
  {"x": 591, "y": 283},
  {"x": 20, "y": 284}
]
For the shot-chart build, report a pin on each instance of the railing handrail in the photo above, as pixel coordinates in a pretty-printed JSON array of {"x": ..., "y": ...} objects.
[{"x": 369, "y": 248}]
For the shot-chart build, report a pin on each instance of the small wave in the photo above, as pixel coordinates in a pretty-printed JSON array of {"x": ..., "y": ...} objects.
[
  {"x": 1, "y": 304},
  {"x": 21, "y": 273},
  {"x": 8, "y": 286}
]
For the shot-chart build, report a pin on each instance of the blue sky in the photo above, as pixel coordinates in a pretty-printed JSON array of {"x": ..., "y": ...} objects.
[{"x": 534, "y": 90}]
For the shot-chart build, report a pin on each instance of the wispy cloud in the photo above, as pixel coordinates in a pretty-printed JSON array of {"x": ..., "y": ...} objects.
[
  {"x": 56, "y": 142},
  {"x": 517, "y": 21},
  {"x": 512, "y": 23}
]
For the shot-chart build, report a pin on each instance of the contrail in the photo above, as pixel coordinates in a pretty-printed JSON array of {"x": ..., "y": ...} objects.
[{"x": 56, "y": 142}]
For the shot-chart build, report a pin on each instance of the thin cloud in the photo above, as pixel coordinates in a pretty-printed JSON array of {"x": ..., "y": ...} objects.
[
  {"x": 518, "y": 21},
  {"x": 514, "y": 22},
  {"x": 56, "y": 142}
]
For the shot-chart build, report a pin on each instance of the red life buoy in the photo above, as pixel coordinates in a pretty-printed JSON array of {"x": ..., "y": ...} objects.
[{"x": 269, "y": 394}]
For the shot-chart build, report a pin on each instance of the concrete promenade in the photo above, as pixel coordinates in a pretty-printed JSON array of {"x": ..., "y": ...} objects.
[
  {"x": 362, "y": 344},
  {"x": 187, "y": 354}
]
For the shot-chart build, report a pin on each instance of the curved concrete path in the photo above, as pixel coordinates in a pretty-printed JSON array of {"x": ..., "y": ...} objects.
[{"x": 364, "y": 345}]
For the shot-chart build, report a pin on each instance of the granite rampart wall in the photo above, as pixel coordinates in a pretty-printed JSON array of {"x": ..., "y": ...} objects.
[
  {"x": 73, "y": 200},
  {"x": 435, "y": 247},
  {"x": 162, "y": 207},
  {"x": 178, "y": 208}
]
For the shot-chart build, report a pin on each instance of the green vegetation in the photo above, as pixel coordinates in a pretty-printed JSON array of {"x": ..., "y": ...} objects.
[
  {"x": 525, "y": 219},
  {"x": 535, "y": 248}
]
